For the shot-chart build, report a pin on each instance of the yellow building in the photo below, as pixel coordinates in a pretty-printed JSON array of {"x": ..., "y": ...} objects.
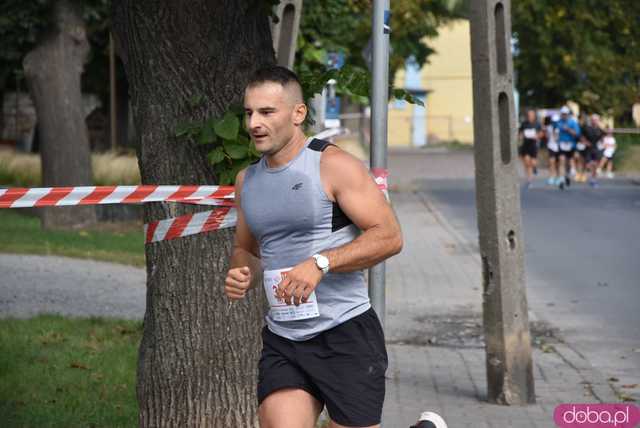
[{"x": 445, "y": 85}]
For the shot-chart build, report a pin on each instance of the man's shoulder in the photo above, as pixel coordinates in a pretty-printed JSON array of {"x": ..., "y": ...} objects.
[
  {"x": 335, "y": 156},
  {"x": 246, "y": 172},
  {"x": 341, "y": 167}
]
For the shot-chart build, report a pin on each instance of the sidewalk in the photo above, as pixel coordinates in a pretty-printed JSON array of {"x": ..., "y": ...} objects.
[
  {"x": 434, "y": 320},
  {"x": 434, "y": 336}
]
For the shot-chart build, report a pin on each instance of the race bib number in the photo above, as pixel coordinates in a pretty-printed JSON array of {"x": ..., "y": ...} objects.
[
  {"x": 581, "y": 146},
  {"x": 553, "y": 146},
  {"x": 278, "y": 309},
  {"x": 530, "y": 134}
]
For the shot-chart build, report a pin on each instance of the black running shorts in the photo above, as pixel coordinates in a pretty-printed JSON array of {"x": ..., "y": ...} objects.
[
  {"x": 593, "y": 155},
  {"x": 567, "y": 153},
  {"x": 529, "y": 148},
  {"x": 343, "y": 368}
]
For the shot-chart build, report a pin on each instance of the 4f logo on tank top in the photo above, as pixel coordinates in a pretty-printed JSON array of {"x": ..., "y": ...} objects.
[{"x": 297, "y": 186}]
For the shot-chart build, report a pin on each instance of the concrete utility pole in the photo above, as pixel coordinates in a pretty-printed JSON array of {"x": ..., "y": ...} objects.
[
  {"x": 285, "y": 32},
  {"x": 379, "y": 105},
  {"x": 506, "y": 325}
]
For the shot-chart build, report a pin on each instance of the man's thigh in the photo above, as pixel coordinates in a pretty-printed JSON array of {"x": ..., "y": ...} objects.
[
  {"x": 289, "y": 408},
  {"x": 333, "y": 424},
  {"x": 348, "y": 367}
]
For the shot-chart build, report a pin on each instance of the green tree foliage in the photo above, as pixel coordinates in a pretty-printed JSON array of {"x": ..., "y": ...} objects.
[
  {"x": 23, "y": 22},
  {"x": 328, "y": 26},
  {"x": 345, "y": 26},
  {"x": 20, "y": 24},
  {"x": 587, "y": 51}
]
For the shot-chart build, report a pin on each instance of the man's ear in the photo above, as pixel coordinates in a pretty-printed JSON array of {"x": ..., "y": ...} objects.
[{"x": 299, "y": 114}]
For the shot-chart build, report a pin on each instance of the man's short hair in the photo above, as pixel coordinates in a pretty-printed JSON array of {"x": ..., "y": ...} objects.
[{"x": 277, "y": 74}]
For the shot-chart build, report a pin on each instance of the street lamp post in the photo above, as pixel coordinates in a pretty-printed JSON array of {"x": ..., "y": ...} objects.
[{"x": 379, "y": 105}]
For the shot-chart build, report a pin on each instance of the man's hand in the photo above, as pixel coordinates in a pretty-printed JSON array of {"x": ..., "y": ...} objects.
[
  {"x": 237, "y": 283},
  {"x": 299, "y": 283}
]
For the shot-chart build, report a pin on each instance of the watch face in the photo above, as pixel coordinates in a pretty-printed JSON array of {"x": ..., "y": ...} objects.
[{"x": 322, "y": 262}]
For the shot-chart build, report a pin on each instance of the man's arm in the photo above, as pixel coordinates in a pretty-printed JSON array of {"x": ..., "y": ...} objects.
[
  {"x": 347, "y": 182},
  {"x": 245, "y": 267}
]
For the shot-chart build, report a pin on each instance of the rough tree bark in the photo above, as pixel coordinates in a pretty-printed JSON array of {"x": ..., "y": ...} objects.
[
  {"x": 53, "y": 70},
  {"x": 198, "y": 355}
]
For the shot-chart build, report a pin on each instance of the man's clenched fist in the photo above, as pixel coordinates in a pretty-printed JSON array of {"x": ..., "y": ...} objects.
[{"x": 237, "y": 282}]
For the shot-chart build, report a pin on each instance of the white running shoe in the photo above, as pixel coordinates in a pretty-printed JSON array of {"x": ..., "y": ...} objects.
[
  {"x": 610, "y": 175},
  {"x": 430, "y": 420}
]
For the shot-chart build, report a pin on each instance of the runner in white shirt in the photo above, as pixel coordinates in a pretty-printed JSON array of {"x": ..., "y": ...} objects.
[
  {"x": 553, "y": 149},
  {"x": 609, "y": 145}
]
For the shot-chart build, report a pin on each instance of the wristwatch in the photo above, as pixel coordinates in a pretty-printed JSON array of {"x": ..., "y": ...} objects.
[{"x": 322, "y": 263}]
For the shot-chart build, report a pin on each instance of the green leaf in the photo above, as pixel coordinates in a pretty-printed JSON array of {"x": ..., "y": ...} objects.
[
  {"x": 224, "y": 177},
  {"x": 398, "y": 94},
  {"x": 183, "y": 129},
  {"x": 402, "y": 94},
  {"x": 413, "y": 100},
  {"x": 207, "y": 134},
  {"x": 216, "y": 156},
  {"x": 235, "y": 150},
  {"x": 237, "y": 109},
  {"x": 237, "y": 167},
  {"x": 228, "y": 126},
  {"x": 317, "y": 55}
]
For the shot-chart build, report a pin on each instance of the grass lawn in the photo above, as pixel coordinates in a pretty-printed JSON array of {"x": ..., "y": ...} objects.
[
  {"x": 627, "y": 157},
  {"x": 107, "y": 242},
  {"x": 68, "y": 372}
]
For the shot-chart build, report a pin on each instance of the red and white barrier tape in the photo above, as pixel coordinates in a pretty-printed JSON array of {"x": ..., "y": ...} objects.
[
  {"x": 221, "y": 218},
  {"x": 162, "y": 230},
  {"x": 190, "y": 224},
  {"x": 95, "y": 195},
  {"x": 380, "y": 175}
]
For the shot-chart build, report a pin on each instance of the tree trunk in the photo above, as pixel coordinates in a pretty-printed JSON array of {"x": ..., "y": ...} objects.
[
  {"x": 198, "y": 355},
  {"x": 53, "y": 70}
]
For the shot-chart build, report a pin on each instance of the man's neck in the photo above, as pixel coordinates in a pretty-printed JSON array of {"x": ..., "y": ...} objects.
[{"x": 288, "y": 152}]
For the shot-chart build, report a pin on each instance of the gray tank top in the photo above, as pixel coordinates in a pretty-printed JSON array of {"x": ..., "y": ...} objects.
[{"x": 292, "y": 219}]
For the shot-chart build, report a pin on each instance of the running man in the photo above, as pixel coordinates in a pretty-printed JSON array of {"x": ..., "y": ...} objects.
[
  {"x": 310, "y": 219},
  {"x": 609, "y": 149},
  {"x": 529, "y": 133},
  {"x": 592, "y": 134},
  {"x": 581, "y": 153},
  {"x": 553, "y": 149},
  {"x": 568, "y": 134}
]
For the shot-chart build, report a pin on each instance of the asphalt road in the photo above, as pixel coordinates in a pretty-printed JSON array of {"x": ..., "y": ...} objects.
[{"x": 582, "y": 257}]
